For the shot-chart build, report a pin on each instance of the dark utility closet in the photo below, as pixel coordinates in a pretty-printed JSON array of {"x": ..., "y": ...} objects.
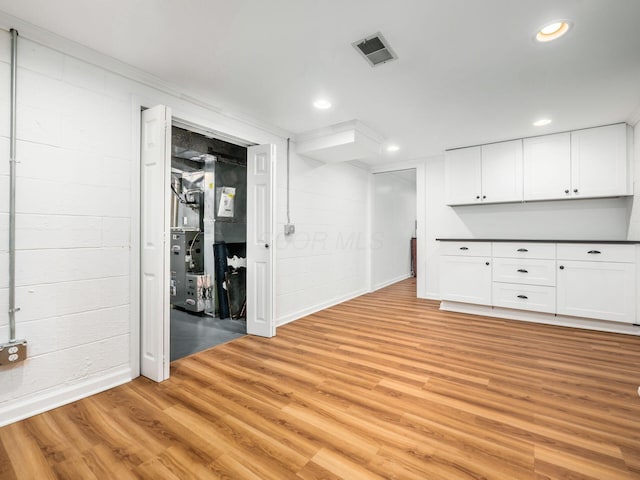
[{"x": 208, "y": 242}]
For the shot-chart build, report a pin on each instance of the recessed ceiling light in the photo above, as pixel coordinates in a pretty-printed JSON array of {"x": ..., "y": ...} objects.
[
  {"x": 393, "y": 147},
  {"x": 322, "y": 104},
  {"x": 552, "y": 31},
  {"x": 542, "y": 122}
]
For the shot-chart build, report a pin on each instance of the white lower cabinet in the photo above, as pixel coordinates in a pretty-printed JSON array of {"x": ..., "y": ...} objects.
[
  {"x": 580, "y": 280},
  {"x": 535, "y": 298},
  {"x": 524, "y": 271},
  {"x": 466, "y": 279},
  {"x": 600, "y": 290}
]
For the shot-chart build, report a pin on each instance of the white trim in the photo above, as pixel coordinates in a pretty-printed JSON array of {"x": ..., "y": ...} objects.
[
  {"x": 369, "y": 251},
  {"x": 195, "y": 128},
  {"x": 392, "y": 281},
  {"x": 322, "y": 306},
  {"x": 81, "y": 52},
  {"x": 432, "y": 296},
  {"x": 134, "y": 242},
  {"x": 421, "y": 230},
  {"x": 272, "y": 237},
  {"x": 397, "y": 166},
  {"x": 62, "y": 396},
  {"x": 546, "y": 318}
]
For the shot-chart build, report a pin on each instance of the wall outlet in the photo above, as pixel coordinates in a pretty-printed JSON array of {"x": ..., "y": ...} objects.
[
  {"x": 289, "y": 229},
  {"x": 13, "y": 352}
]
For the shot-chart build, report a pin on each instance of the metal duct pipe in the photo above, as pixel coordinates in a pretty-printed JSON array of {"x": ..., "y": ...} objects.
[
  {"x": 12, "y": 190},
  {"x": 16, "y": 350}
]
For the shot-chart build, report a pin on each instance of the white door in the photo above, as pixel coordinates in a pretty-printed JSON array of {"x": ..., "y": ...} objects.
[
  {"x": 502, "y": 172},
  {"x": 599, "y": 161},
  {"x": 260, "y": 277},
  {"x": 547, "y": 167},
  {"x": 154, "y": 228},
  {"x": 465, "y": 279},
  {"x": 462, "y": 176}
]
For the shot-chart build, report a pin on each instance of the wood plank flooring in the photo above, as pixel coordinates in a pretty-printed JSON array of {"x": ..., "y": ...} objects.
[{"x": 384, "y": 386}]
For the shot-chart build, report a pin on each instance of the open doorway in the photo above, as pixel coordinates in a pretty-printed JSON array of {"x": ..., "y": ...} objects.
[
  {"x": 208, "y": 242},
  {"x": 394, "y": 227},
  {"x": 155, "y": 238}
]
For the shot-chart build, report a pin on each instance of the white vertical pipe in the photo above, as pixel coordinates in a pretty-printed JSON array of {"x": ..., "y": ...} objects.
[
  {"x": 288, "y": 182},
  {"x": 12, "y": 190}
]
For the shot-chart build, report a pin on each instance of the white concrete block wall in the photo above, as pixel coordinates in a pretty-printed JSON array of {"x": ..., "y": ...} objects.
[
  {"x": 73, "y": 221},
  {"x": 77, "y": 221},
  {"x": 325, "y": 262},
  {"x": 394, "y": 217}
]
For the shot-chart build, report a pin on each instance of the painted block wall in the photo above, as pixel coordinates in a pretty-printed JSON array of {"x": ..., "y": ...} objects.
[
  {"x": 325, "y": 261},
  {"x": 77, "y": 222},
  {"x": 73, "y": 224},
  {"x": 394, "y": 217},
  {"x": 592, "y": 219}
]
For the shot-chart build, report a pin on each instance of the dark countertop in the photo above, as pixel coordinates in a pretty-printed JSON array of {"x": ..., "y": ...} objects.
[{"x": 520, "y": 240}]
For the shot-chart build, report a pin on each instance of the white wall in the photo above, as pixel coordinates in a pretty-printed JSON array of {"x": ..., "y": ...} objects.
[
  {"x": 325, "y": 262},
  {"x": 596, "y": 219},
  {"x": 77, "y": 221},
  {"x": 394, "y": 217}
]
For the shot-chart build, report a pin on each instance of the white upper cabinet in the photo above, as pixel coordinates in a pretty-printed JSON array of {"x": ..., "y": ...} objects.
[
  {"x": 599, "y": 162},
  {"x": 547, "y": 167},
  {"x": 594, "y": 162},
  {"x": 487, "y": 174},
  {"x": 502, "y": 172},
  {"x": 463, "y": 176}
]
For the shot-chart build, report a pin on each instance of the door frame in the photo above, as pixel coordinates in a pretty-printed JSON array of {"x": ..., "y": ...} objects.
[
  {"x": 421, "y": 226},
  {"x": 184, "y": 119}
]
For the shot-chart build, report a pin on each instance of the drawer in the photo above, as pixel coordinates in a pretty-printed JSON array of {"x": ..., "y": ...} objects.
[
  {"x": 524, "y": 297},
  {"x": 470, "y": 249},
  {"x": 597, "y": 252},
  {"x": 525, "y": 271},
  {"x": 524, "y": 250}
]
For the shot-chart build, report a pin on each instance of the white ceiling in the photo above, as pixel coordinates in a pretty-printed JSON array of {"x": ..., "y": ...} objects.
[{"x": 468, "y": 70}]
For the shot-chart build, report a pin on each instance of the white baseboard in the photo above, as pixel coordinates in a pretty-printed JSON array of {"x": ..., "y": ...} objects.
[
  {"x": 316, "y": 308},
  {"x": 391, "y": 282},
  {"x": 537, "y": 317},
  {"x": 22, "y": 409},
  {"x": 432, "y": 296}
]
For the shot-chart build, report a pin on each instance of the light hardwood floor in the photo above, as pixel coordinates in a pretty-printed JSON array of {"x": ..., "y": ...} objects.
[{"x": 383, "y": 386}]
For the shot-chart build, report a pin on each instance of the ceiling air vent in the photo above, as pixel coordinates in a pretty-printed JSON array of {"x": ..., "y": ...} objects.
[{"x": 375, "y": 49}]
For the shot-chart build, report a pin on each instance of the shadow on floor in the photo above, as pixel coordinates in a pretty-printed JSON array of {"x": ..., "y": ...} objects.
[{"x": 193, "y": 333}]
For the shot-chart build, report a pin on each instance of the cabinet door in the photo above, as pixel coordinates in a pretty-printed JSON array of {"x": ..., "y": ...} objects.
[
  {"x": 547, "y": 167},
  {"x": 462, "y": 176},
  {"x": 599, "y": 165},
  {"x": 502, "y": 172},
  {"x": 466, "y": 279},
  {"x": 601, "y": 290}
]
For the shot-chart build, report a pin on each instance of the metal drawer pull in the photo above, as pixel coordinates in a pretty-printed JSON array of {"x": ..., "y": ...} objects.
[
  {"x": 464, "y": 248},
  {"x": 522, "y": 250},
  {"x": 522, "y": 270},
  {"x": 594, "y": 251},
  {"x": 523, "y": 296}
]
